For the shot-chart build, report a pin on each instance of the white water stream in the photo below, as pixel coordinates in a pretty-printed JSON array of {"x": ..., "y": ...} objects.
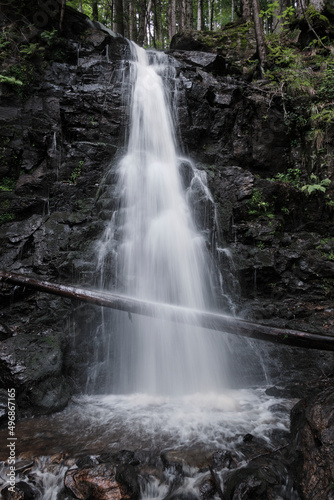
[{"x": 161, "y": 256}]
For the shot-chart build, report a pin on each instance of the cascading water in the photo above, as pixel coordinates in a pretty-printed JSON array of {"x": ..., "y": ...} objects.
[{"x": 160, "y": 255}]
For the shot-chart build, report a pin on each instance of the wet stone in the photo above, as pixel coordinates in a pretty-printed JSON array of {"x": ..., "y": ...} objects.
[
  {"x": 222, "y": 459},
  {"x": 23, "y": 491},
  {"x": 101, "y": 482}
]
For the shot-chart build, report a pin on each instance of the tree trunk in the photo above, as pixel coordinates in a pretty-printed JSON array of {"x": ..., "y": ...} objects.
[
  {"x": 131, "y": 21},
  {"x": 189, "y": 15},
  {"x": 95, "y": 11},
  {"x": 148, "y": 33},
  {"x": 62, "y": 14},
  {"x": 182, "y": 15},
  {"x": 118, "y": 21},
  {"x": 199, "y": 15},
  {"x": 212, "y": 321},
  {"x": 246, "y": 12},
  {"x": 261, "y": 45},
  {"x": 142, "y": 23},
  {"x": 171, "y": 19}
]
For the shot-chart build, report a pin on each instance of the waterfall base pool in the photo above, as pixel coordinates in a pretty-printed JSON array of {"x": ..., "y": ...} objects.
[
  {"x": 98, "y": 424},
  {"x": 187, "y": 430}
]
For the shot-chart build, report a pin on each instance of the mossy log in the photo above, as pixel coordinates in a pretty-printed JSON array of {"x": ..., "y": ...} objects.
[{"x": 208, "y": 320}]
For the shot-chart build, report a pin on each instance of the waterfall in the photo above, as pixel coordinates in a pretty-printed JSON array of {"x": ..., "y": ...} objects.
[{"x": 158, "y": 254}]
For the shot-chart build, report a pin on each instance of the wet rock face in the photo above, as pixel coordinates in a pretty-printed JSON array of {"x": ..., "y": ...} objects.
[
  {"x": 277, "y": 234},
  {"x": 312, "y": 428},
  {"x": 59, "y": 143}
]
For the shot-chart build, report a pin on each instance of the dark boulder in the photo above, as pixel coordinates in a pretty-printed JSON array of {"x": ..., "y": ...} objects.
[{"x": 312, "y": 429}]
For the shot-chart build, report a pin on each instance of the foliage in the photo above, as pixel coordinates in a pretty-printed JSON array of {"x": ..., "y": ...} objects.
[
  {"x": 7, "y": 184},
  {"x": 76, "y": 173},
  {"x": 32, "y": 50},
  {"x": 49, "y": 36},
  {"x": 10, "y": 80},
  {"x": 291, "y": 176},
  {"x": 6, "y": 217},
  {"x": 316, "y": 185},
  {"x": 325, "y": 91},
  {"x": 258, "y": 205}
]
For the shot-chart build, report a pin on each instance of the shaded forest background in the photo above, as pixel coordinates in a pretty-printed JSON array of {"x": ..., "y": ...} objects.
[{"x": 154, "y": 22}]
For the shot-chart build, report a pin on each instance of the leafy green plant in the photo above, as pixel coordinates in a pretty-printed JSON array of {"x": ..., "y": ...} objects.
[
  {"x": 76, "y": 173},
  {"x": 257, "y": 203},
  {"x": 291, "y": 176},
  {"x": 316, "y": 185},
  {"x": 32, "y": 50},
  {"x": 49, "y": 36},
  {"x": 10, "y": 80}
]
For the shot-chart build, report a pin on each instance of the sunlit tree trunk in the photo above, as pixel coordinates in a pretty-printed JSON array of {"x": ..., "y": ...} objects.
[
  {"x": 200, "y": 18},
  {"x": 171, "y": 19},
  {"x": 210, "y": 9},
  {"x": 148, "y": 33}
]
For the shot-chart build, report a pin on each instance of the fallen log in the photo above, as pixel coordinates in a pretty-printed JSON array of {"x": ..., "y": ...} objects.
[{"x": 204, "y": 319}]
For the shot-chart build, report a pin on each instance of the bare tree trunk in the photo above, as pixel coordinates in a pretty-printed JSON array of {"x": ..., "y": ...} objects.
[
  {"x": 172, "y": 19},
  {"x": 62, "y": 14},
  {"x": 142, "y": 23},
  {"x": 148, "y": 34},
  {"x": 189, "y": 15},
  {"x": 261, "y": 45},
  {"x": 95, "y": 11},
  {"x": 246, "y": 12},
  {"x": 213, "y": 321},
  {"x": 210, "y": 7},
  {"x": 157, "y": 23},
  {"x": 131, "y": 21},
  {"x": 118, "y": 24},
  {"x": 126, "y": 19},
  {"x": 182, "y": 15},
  {"x": 200, "y": 17}
]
